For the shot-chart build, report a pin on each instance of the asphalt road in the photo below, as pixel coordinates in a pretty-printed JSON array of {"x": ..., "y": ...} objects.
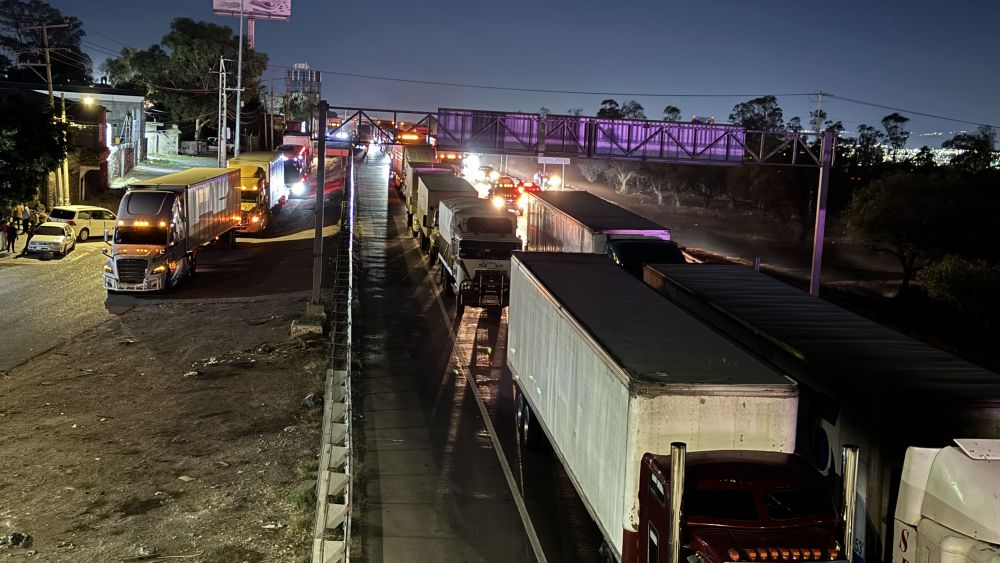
[
  {"x": 436, "y": 487},
  {"x": 47, "y": 300}
]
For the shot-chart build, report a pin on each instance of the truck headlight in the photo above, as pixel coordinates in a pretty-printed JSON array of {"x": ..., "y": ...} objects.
[
  {"x": 498, "y": 202},
  {"x": 108, "y": 269},
  {"x": 298, "y": 188},
  {"x": 160, "y": 269}
]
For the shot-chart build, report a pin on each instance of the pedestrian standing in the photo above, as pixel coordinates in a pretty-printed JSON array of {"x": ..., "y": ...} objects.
[
  {"x": 17, "y": 215},
  {"x": 25, "y": 219},
  {"x": 3, "y": 233},
  {"x": 11, "y": 238}
]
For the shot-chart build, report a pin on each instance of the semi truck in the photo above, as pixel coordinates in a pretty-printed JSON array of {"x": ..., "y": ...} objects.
[
  {"x": 262, "y": 188},
  {"x": 412, "y": 170},
  {"x": 163, "y": 223},
  {"x": 473, "y": 242},
  {"x": 579, "y": 221},
  {"x": 431, "y": 189},
  {"x": 613, "y": 375},
  {"x": 948, "y": 508},
  {"x": 859, "y": 382}
]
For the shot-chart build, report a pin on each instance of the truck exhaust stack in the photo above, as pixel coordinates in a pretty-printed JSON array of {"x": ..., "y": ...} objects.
[
  {"x": 849, "y": 471},
  {"x": 678, "y": 455}
]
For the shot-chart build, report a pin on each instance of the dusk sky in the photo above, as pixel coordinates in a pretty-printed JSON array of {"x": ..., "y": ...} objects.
[{"x": 940, "y": 58}]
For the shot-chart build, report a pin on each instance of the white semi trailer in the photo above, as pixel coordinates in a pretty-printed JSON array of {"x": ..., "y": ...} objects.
[
  {"x": 473, "y": 242},
  {"x": 613, "y": 374},
  {"x": 431, "y": 189},
  {"x": 162, "y": 224},
  {"x": 948, "y": 509}
]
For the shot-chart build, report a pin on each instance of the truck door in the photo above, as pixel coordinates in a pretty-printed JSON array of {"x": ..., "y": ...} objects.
[{"x": 653, "y": 493}]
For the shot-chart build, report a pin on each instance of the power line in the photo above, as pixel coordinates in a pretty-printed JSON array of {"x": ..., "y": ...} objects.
[
  {"x": 112, "y": 39},
  {"x": 923, "y": 114},
  {"x": 536, "y": 90}
]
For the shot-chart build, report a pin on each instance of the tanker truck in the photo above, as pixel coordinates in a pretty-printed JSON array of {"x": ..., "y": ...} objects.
[
  {"x": 678, "y": 442},
  {"x": 473, "y": 242},
  {"x": 163, "y": 223}
]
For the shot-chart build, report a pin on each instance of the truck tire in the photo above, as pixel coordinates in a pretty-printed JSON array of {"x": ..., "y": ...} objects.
[
  {"x": 409, "y": 221},
  {"x": 192, "y": 268},
  {"x": 448, "y": 282},
  {"x": 529, "y": 432},
  {"x": 232, "y": 240},
  {"x": 432, "y": 256},
  {"x": 425, "y": 243},
  {"x": 459, "y": 307}
]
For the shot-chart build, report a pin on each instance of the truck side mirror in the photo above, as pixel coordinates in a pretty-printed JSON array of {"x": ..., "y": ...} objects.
[{"x": 105, "y": 236}]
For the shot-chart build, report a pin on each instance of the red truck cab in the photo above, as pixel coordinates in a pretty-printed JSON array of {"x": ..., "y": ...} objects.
[{"x": 746, "y": 506}]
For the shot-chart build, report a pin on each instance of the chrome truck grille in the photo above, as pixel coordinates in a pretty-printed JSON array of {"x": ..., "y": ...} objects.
[{"x": 131, "y": 270}]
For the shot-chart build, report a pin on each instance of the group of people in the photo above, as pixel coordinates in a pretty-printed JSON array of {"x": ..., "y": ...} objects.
[{"x": 23, "y": 216}]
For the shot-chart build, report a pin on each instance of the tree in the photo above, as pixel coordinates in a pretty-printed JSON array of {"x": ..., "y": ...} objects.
[
  {"x": 31, "y": 145},
  {"x": 671, "y": 113},
  {"x": 869, "y": 149},
  {"x": 924, "y": 159},
  {"x": 661, "y": 180},
  {"x": 971, "y": 286},
  {"x": 609, "y": 109},
  {"x": 759, "y": 114},
  {"x": 592, "y": 170},
  {"x": 181, "y": 73},
  {"x": 909, "y": 216},
  {"x": 795, "y": 124},
  {"x": 544, "y": 111},
  {"x": 575, "y": 111},
  {"x": 70, "y": 65},
  {"x": 633, "y": 110},
  {"x": 816, "y": 119},
  {"x": 895, "y": 135},
  {"x": 978, "y": 149},
  {"x": 622, "y": 175}
]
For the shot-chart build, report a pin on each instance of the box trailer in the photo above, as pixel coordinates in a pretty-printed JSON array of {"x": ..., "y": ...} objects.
[
  {"x": 163, "y": 222},
  {"x": 860, "y": 383},
  {"x": 578, "y": 221},
  {"x": 613, "y": 374},
  {"x": 431, "y": 189},
  {"x": 412, "y": 170}
]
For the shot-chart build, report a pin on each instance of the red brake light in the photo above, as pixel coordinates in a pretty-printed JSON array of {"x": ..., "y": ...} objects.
[{"x": 71, "y": 223}]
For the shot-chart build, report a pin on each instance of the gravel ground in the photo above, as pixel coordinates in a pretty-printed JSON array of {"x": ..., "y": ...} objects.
[{"x": 175, "y": 431}]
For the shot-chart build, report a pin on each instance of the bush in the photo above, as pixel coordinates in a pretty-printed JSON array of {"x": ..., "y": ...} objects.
[{"x": 971, "y": 286}]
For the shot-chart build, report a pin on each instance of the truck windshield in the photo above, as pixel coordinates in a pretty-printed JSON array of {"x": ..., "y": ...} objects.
[
  {"x": 140, "y": 235},
  {"x": 798, "y": 503},
  {"x": 473, "y": 250},
  {"x": 720, "y": 505},
  {"x": 248, "y": 196}
]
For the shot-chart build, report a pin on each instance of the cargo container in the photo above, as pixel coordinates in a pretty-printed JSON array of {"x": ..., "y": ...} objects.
[
  {"x": 431, "y": 189},
  {"x": 613, "y": 374},
  {"x": 473, "y": 242},
  {"x": 163, "y": 223}
]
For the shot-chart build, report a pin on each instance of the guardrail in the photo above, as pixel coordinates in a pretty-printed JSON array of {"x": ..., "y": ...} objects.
[{"x": 334, "y": 486}]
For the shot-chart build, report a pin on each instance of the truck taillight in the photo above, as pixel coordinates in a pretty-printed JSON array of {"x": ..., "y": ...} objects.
[
  {"x": 734, "y": 554},
  {"x": 783, "y": 554},
  {"x": 796, "y": 554},
  {"x": 833, "y": 553},
  {"x": 816, "y": 553},
  {"x": 751, "y": 555}
]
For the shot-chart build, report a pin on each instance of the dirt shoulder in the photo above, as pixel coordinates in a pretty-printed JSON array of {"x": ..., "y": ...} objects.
[{"x": 175, "y": 429}]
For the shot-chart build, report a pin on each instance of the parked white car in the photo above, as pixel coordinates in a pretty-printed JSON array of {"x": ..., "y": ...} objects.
[
  {"x": 58, "y": 238},
  {"x": 87, "y": 221}
]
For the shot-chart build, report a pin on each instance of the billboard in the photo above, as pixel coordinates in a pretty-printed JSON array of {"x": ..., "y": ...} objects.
[{"x": 259, "y": 9}]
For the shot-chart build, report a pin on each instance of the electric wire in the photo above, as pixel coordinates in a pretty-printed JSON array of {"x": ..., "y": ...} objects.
[{"x": 913, "y": 112}]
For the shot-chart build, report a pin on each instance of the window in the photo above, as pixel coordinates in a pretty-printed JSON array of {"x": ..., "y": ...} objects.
[
  {"x": 656, "y": 487},
  {"x": 83, "y": 216},
  {"x": 653, "y": 546},
  {"x": 62, "y": 214},
  {"x": 797, "y": 503},
  {"x": 51, "y": 231},
  {"x": 721, "y": 505}
]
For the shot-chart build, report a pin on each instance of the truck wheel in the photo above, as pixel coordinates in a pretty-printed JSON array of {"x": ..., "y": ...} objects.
[
  {"x": 448, "y": 282},
  {"x": 192, "y": 268},
  {"x": 528, "y": 429},
  {"x": 432, "y": 256},
  {"x": 459, "y": 307},
  {"x": 425, "y": 243},
  {"x": 409, "y": 221},
  {"x": 232, "y": 239}
]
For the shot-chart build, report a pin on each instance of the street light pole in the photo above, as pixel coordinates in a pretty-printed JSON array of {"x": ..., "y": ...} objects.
[
  {"x": 239, "y": 86},
  {"x": 316, "y": 301}
]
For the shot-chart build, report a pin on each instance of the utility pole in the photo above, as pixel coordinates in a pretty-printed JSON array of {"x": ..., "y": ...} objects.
[
  {"x": 64, "y": 195},
  {"x": 316, "y": 300},
  {"x": 819, "y": 111},
  {"x": 826, "y": 152},
  {"x": 239, "y": 87},
  {"x": 221, "y": 140},
  {"x": 45, "y": 27}
]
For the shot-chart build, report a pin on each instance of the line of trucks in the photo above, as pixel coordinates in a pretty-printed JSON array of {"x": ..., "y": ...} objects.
[
  {"x": 164, "y": 222},
  {"x": 709, "y": 412}
]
